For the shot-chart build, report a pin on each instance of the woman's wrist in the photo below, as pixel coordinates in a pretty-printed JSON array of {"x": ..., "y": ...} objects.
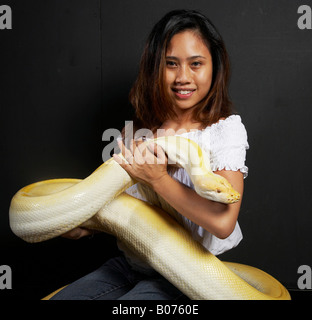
[{"x": 159, "y": 183}]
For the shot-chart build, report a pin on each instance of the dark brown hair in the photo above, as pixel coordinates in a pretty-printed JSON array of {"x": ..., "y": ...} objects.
[{"x": 148, "y": 95}]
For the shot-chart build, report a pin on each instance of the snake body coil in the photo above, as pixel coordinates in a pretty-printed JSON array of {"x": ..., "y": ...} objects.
[{"x": 50, "y": 208}]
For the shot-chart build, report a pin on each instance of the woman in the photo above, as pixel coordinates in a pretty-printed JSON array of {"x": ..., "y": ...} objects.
[{"x": 181, "y": 89}]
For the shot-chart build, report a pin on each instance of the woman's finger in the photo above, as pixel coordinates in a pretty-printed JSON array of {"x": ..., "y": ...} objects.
[
  {"x": 158, "y": 152},
  {"x": 132, "y": 146},
  {"x": 126, "y": 166},
  {"x": 147, "y": 153},
  {"x": 125, "y": 152}
]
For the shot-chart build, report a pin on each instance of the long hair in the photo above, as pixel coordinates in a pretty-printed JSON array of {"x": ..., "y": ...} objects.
[{"x": 148, "y": 95}]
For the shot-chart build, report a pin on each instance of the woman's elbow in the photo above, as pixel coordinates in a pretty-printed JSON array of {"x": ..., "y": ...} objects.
[
  {"x": 224, "y": 229},
  {"x": 225, "y": 222}
]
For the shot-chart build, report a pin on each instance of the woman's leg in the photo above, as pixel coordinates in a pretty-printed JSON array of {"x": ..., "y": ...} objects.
[
  {"x": 154, "y": 288},
  {"x": 109, "y": 282}
]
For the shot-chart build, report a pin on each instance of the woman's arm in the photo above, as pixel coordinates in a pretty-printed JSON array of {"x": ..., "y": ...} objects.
[{"x": 217, "y": 218}]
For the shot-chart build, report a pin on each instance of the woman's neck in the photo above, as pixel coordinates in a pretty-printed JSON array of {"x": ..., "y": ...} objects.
[{"x": 177, "y": 126}]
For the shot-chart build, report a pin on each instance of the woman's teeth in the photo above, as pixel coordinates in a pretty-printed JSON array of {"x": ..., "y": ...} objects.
[{"x": 184, "y": 92}]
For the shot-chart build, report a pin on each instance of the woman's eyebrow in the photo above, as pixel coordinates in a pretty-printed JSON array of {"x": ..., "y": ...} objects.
[{"x": 189, "y": 58}]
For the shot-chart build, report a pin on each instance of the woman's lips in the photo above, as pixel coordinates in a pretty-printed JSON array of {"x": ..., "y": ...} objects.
[{"x": 183, "y": 93}]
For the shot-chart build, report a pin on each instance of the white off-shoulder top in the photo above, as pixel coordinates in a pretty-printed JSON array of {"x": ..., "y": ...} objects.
[{"x": 226, "y": 142}]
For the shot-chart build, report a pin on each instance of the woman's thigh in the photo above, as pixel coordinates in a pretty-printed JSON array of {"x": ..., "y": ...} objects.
[
  {"x": 109, "y": 282},
  {"x": 153, "y": 289}
]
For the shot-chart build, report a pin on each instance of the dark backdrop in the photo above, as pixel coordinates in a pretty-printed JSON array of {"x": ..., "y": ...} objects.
[{"x": 66, "y": 70}]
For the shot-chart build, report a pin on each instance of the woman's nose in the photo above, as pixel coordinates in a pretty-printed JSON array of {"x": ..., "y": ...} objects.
[{"x": 183, "y": 75}]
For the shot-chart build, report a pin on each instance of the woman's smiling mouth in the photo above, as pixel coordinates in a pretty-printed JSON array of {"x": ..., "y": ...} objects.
[{"x": 183, "y": 93}]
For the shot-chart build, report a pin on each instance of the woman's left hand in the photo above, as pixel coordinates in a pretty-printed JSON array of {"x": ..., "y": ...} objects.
[
  {"x": 78, "y": 233},
  {"x": 145, "y": 163}
]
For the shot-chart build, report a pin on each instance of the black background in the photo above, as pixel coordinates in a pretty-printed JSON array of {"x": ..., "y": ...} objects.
[{"x": 66, "y": 70}]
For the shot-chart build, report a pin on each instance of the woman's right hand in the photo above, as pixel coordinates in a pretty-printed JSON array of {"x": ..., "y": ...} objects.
[
  {"x": 145, "y": 163},
  {"x": 78, "y": 233}
]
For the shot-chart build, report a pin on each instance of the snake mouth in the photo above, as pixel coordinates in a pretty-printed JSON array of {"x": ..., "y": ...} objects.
[
  {"x": 219, "y": 190},
  {"x": 225, "y": 198}
]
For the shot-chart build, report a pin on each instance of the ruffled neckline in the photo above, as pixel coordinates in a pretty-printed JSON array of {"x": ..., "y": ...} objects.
[{"x": 220, "y": 123}]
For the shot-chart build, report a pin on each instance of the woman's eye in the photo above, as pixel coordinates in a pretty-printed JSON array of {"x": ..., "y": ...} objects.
[
  {"x": 171, "y": 64},
  {"x": 196, "y": 64}
]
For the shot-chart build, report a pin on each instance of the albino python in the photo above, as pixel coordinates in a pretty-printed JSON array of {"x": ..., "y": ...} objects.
[{"x": 47, "y": 209}]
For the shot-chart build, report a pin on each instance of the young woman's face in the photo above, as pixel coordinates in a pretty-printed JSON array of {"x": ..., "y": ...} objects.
[{"x": 188, "y": 72}]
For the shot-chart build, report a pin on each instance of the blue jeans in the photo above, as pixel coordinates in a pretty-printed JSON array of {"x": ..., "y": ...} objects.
[{"x": 116, "y": 280}]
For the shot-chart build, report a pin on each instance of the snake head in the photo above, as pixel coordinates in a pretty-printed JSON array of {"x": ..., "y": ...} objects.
[{"x": 216, "y": 188}]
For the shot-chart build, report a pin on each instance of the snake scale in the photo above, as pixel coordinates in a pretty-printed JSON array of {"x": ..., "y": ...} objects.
[{"x": 49, "y": 208}]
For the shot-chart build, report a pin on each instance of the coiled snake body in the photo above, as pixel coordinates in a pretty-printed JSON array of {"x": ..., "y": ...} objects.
[{"x": 47, "y": 209}]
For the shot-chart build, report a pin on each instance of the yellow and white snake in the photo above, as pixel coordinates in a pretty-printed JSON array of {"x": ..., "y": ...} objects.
[{"x": 47, "y": 209}]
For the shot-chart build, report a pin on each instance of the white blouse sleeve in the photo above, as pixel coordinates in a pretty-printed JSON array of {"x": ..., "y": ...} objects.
[{"x": 228, "y": 145}]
